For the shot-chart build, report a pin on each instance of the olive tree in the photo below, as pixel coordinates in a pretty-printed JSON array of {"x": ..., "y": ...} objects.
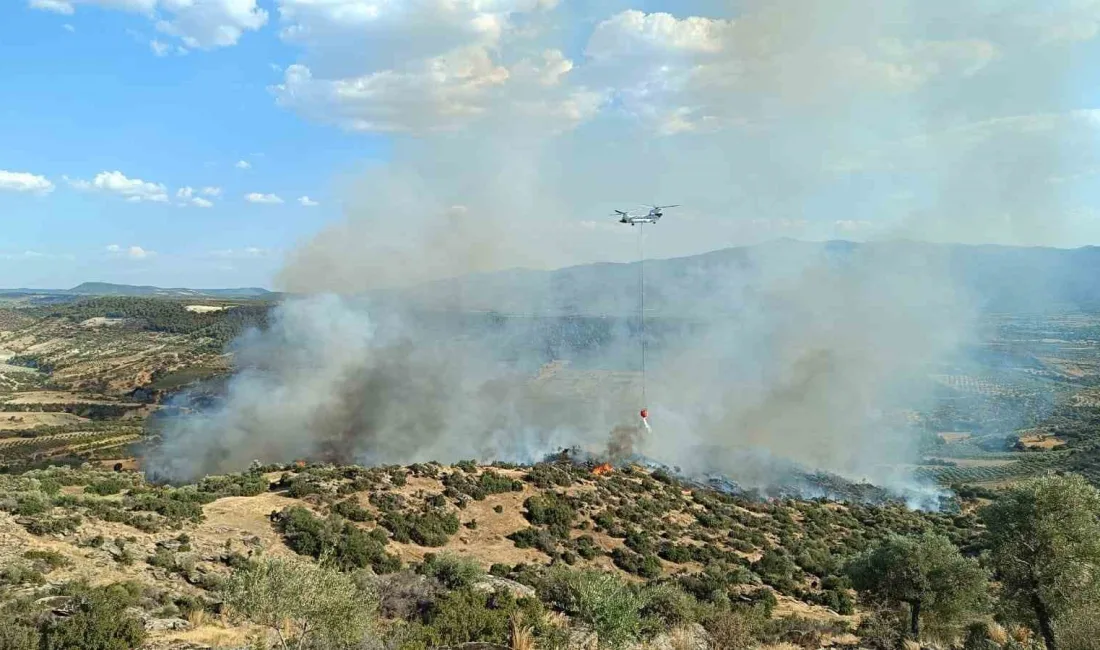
[
  {"x": 926, "y": 573},
  {"x": 306, "y": 605},
  {"x": 1044, "y": 538}
]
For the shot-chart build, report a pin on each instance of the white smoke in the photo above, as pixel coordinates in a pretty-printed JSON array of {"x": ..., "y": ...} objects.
[{"x": 871, "y": 120}]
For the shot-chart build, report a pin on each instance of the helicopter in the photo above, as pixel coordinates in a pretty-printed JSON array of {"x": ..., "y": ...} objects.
[{"x": 654, "y": 215}]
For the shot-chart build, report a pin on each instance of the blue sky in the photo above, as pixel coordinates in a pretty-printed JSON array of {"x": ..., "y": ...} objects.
[
  {"x": 145, "y": 141},
  {"x": 93, "y": 98}
]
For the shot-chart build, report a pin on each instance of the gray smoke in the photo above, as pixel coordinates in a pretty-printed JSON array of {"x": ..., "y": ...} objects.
[{"x": 857, "y": 119}]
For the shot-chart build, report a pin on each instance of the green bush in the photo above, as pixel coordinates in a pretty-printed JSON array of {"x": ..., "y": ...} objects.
[
  {"x": 350, "y": 509},
  {"x": 317, "y": 606},
  {"x": 107, "y": 486},
  {"x": 467, "y": 616},
  {"x": 100, "y": 622},
  {"x": 432, "y": 528},
  {"x": 453, "y": 571},
  {"x": 646, "y": 566},
  {"x": 552, "y": 510},
  {"x": 341, "y": 542},
  {"x": 600, "y": 600}
]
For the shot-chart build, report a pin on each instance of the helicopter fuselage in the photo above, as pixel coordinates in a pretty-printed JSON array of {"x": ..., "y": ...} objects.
[{"x": 638, "y": 220}]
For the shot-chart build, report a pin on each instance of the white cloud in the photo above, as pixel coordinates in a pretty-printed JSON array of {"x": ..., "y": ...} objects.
[
  {"x": 159, "y": 48},
  {"x": 438, "y": 94},
  {"x": 199, "y": 24},
  {"x": 133, "y": 190},
  {"x": 77, "y": 183},
  {"x": 56, "y": 6},
  {"x": 24, "y": 182},
  {"x": 206, "y": 24},
  {"x": 212, "y": 191},
  {"x": 251, "y": 252},
  {"x": 243, "y": 164},
  {"x": 69, "y": 28},
  {"x": 129, "y": 252},
  {"x": 307, "y": 202},
  {"x": 189, "y": 197},
  {"x": 630, "y": 32},
  {"x": 256, "y": 197}
]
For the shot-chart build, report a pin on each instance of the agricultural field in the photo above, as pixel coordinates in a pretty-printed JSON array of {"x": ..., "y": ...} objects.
[{"x": 79, "y": 379}]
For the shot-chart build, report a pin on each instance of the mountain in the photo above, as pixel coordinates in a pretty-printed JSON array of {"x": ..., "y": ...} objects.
[
  {"x": 995, "y": 278},
  {"x": 108, "y": 289}
]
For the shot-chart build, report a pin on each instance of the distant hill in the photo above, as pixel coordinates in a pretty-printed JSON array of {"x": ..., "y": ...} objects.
[
  {"x": 998, "y": 278},
  {"x": 40, "y": 296},
  {"x": 108, "y": 289}
]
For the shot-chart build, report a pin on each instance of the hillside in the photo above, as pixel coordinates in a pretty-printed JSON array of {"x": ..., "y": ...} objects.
[
  {"x": 999, "y": 279},
  {"x": 782, "y": 560}
]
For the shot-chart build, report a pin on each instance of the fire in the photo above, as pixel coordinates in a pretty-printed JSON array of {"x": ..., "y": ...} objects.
[
  {"x": 600, "y": 470},
  {"x": 299, "y": 463}
]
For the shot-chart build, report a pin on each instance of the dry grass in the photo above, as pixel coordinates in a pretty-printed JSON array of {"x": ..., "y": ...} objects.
[
  {"x": 196, "y": 617},
  {"x": 523, "y": 635}
]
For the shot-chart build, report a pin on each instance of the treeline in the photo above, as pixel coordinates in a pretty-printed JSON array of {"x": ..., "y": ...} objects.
[
  {"x": 162, "y": 315},
  {"x": 80, "y": 409}
]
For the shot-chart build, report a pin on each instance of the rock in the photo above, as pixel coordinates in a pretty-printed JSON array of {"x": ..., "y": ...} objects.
[
  {"x": 493, "y": 584},
  {"x": 165, "y": 624},
  {"x": 169, "y": 544}
]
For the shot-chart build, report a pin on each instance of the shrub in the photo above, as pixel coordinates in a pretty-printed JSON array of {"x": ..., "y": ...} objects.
[
  {"x": 552, "y": 510},
  {"x": 106, "y": 487},
  {"x": 50, "y": 559},
  {"x": 646, "y": 566},
  {"x": 432, "y": 528},
  {"x": 343, "y": 543},
  {"x": 100, "y": 622},
  {"x": 306, "y": 602},
  {"x": 454, "y": 572},
  {"x": 736, "y": 629},
  {"x": 600, "y": 600},
  {"x": 350, "y": 509}
]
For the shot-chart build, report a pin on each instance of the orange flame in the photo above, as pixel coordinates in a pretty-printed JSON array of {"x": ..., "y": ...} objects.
[
  {"x": 299, "y": 463},
  {"x": 600, "y": 470}
]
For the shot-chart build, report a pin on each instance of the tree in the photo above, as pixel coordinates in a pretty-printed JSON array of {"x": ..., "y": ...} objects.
[
  {"x": 1044, "y": 538},
  {"x": 302, "y": 602},
  {"x": 926, "y": 573}
]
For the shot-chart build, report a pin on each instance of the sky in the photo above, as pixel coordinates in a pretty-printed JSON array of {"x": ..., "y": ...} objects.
[{"x": 288, "y": 143}]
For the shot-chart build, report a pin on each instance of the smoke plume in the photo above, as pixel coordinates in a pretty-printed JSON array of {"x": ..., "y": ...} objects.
[{"x": 884, "y": 122}]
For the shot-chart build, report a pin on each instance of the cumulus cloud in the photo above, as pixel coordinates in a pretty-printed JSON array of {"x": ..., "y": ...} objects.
[
  {"x": 129, "y": 252},
  {"x": 200, "y": 202},
  {"x": 243, "y": 164},
  {"x": 307, "y": 202},
  {"x": 198, "y": 24},
  {"x": 212, "y": 191},
  {"x": 133, "y": 190},
  {"x": 24, "y": 182},
  {"x": 256, "y": 197},
  {"x": 159, "y": 48}
]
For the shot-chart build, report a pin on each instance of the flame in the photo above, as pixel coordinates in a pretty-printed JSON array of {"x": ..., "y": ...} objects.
[
  {"x": 600, "y": 470},
  {"x": 299, "y": 463}
]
